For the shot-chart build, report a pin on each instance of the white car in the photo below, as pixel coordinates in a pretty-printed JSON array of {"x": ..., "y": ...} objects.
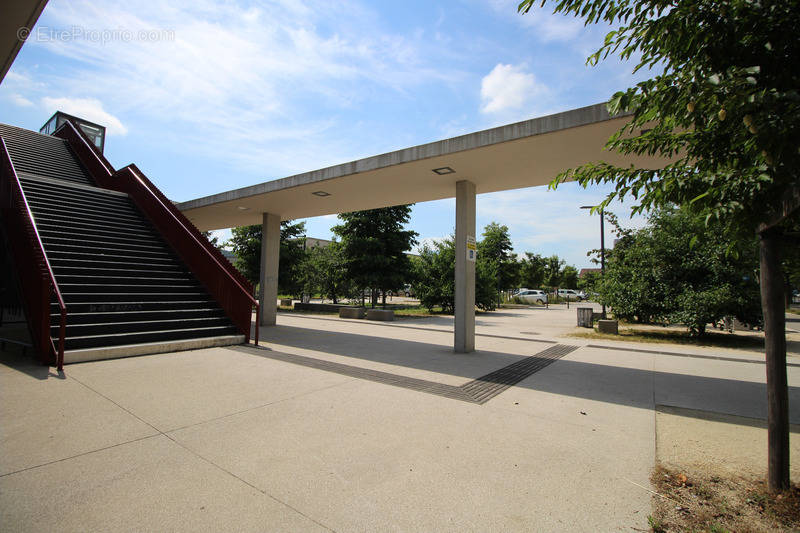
[
  {"x": 532, "y": 296},
  {"x": 572, "y": 294}
]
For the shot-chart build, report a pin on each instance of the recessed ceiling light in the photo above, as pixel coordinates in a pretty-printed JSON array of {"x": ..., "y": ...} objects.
[
  {"x": 321, "y": 193},
  {"x": 242, "y": 208},
  {"x": 444, "y": 170}
]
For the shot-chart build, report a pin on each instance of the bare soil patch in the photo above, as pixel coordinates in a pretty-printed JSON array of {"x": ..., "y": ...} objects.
[{"x": 702, "y": 500}]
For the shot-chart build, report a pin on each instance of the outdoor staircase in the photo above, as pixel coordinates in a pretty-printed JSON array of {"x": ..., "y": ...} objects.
[{"x": 126, "y": 291}]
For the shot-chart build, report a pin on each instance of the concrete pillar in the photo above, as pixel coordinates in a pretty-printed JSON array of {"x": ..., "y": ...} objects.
[
  {"x": 270, "y": 256},
  {"x": 465, "y": 267}
]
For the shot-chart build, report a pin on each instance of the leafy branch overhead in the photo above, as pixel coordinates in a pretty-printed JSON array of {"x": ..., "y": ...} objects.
[
  {"x": 722, "y": 109},
  {"x": 723, "y": 106}
]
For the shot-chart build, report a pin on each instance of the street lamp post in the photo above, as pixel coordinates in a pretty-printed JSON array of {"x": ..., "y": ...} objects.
[{"x": 602, "y": 248}]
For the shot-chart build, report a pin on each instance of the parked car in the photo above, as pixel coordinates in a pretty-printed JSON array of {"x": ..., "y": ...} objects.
[
  {"x": 572, "y": 294},
  {"x": 532, "y": 296}
]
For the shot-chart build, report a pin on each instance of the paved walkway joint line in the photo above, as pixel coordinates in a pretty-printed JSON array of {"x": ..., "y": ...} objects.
[{"x": 479, "y": 390}]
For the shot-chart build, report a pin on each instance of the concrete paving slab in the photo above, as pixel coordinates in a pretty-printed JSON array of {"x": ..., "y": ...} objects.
[
  {"x": 609, "y": 393},
  {"x": 406, "y": 351},
  {"x": 719, "y": 386},
  {"x": 369, "y": 457},
  {"x": 147, "y": 485},
  {"x": 184, "y": 388},
  {"x": 44, "y": 418},
  {"x": 707, "y": 441}
]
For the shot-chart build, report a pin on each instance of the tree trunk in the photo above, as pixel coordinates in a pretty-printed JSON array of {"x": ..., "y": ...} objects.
[{"x": 772, "y": 305}]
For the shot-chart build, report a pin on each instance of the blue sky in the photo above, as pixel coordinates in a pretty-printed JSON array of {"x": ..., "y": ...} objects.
[{"x": 207, "y": 96}]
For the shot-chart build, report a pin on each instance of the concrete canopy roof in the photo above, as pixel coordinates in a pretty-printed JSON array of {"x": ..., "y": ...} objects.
[
  {"x": 524, "y": 154},
  {"x": 19, "y": 17}
]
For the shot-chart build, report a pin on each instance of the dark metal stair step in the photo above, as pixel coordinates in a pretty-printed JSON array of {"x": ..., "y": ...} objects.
[
  {"x": 57, "y": 248},
  {"x": 66, "y": 221},
  {"x": 75, "y": 258},
  {"x": 134, "y": 281},
  {"x": 47, "y": 228},
  {"x": 75, "y": 210},
  {"x": 32, "y": 189},
  {"x": 84, "y": 236},
  {"x": 115, "y": 269},
  {"x": 133, "y": 305},
  {"x": 107, "y": 243},
  {"x": 131, "y": 297},
  {"x": 93, "y": 341},
  {"x": 143, "y": 288},
  {"x": 137, "y": 316},
  {"x": 113, "y": 328}
]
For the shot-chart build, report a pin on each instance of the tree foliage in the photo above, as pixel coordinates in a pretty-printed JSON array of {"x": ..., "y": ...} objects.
[
  {"x": 434, "y": 274},
  {"x": 496, "y": 250},
  {"x": 292, "y": 258},
  {"x": 246, "y": 245},
  {"x": 532, "y": 270},
  {"x": 374, "y": 245},
  {"x": 323, "y": 273},
  {"x": 679, "y": 270},
  {"x": 724, "y": 107}
]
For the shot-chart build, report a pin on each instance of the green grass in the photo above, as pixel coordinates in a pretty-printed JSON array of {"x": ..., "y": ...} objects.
[{"x": 711, "y": 338}]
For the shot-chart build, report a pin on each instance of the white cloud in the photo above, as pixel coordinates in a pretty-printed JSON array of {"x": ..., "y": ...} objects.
[
  {"x": 89, "y": 108},
  {"x": 546, "y": 222},
  {"x": 240, "y": 80},
  {"x": 20, "y": 100},
  {"x": 509, "y": 87},
  {"x": 430, "y": 242},
  {"x": 546, "y": 25}
]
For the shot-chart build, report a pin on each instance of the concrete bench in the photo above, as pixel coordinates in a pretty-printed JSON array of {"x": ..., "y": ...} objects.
[
  {"x": 384, "y": 315},
  {"x": 320, "y": 308},
  {"x": 352, "y": 312}
]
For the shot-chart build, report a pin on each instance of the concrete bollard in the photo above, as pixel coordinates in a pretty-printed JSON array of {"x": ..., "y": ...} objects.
[
  {"x": 384, "y": 315},
  {"x": 352, "y": 312},
  {"x": 608, "y": 326}
]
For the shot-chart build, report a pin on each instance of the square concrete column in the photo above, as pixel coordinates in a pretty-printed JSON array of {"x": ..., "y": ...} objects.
[
  {"x": 465, "y": 267},
  {"x": 270, "y": 256}
]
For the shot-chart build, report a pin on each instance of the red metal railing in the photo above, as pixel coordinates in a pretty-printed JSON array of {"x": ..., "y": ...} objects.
[
  {"x": 222, "y": 280},
  {"x": 33, "y": 266}
]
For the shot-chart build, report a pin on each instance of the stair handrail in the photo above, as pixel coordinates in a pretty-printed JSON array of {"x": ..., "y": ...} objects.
[
  {"x": 101, "y": 170},
  {"x": 143, "y": 182},
  {"x": 25, "y": 213},
  {"x": 105, "y": 176}
]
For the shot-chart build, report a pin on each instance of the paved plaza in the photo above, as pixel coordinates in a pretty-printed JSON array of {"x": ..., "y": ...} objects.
[{"x": 344, "y": 425}]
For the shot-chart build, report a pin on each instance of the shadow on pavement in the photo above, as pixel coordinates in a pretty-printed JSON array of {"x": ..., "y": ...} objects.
[{"x": 592, "y": 381}]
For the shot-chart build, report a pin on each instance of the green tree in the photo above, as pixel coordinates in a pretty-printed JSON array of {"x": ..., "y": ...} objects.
[
  {"x": 246, "y": 245},
  {"x": 496, "y": 249},
  {"x": 590, "y": 282},
  {"x": 553, "y": 270},
  {"x": 323, "y": 273},
  {"x": 374, "y": 246},
  {"x": 679, "y": 270},
  {"x": 724, "y": 107},
  {"x": 532, "y": 270},
  {"x": 213, "y": 239},
  {"x": 569, "y": 277},
  {"x": 292, "y": 258},
  {"x": 435, "y": 278}
]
